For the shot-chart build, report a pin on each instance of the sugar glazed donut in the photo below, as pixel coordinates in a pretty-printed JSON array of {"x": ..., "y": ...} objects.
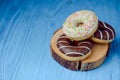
[
  {"x": 74, "y": 49},
  {"x": 80, "y": 25},
  {"x": 104, "y": 34}
]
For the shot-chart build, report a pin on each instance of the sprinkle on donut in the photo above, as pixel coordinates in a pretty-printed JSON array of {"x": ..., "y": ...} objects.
[
  {"x": 73, "y": 48},
  {"x": 80, "y": 25}
]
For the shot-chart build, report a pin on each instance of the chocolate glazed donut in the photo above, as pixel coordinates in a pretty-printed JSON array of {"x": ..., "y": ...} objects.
[
  {"x": 104, "y": 34},
  {"x": 73, "y": 48}
]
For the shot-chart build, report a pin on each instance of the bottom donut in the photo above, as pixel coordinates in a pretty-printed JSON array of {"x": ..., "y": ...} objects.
[{"x": 98, "y": 55}]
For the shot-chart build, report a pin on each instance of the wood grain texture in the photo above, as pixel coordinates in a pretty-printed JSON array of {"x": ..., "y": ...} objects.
[{"x": 26, "y": 28}]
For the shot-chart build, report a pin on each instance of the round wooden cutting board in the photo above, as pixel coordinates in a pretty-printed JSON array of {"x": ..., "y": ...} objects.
[{"x": 96, "y": 58}]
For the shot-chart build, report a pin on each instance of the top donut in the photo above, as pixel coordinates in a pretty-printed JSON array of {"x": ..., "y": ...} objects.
[{"x": 80, "y": 25}]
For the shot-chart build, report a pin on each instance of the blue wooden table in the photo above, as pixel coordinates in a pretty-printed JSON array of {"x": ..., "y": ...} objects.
[{"x": 26, "y": 27}]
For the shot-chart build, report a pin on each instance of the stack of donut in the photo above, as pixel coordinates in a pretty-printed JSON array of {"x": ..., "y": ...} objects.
[{"x": 81, "y": 39}]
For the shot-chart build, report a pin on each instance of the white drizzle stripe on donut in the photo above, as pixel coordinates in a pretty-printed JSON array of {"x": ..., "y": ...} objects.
[
  {"x": 107, "y": 35},
  {"x": 108, "y": 28},
  {"x": 62, "y": 37},
  {"x": 63, "y": 42},
  {"x": 101, "y": 36},
  {"x": 74, "y": 53},
  {"x": 75, "y": 47},
  {"x": 85, "y": 42}
]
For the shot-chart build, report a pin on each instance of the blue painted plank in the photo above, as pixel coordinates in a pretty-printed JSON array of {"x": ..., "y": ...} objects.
[{"x": 26, "y": 28}]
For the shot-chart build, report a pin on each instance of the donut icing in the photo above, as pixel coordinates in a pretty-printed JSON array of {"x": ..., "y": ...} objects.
[
  {"x": 73, "y": 48},
  {"x": 80, "y": 24},
  {"x": 104, "y": 32}
]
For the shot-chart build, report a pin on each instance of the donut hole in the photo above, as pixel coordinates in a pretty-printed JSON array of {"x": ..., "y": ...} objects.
[{"x": 79, "y": 24}]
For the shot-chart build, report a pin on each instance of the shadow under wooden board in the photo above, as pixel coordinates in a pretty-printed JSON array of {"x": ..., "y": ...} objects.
[{"x": 96, "y": 58}]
